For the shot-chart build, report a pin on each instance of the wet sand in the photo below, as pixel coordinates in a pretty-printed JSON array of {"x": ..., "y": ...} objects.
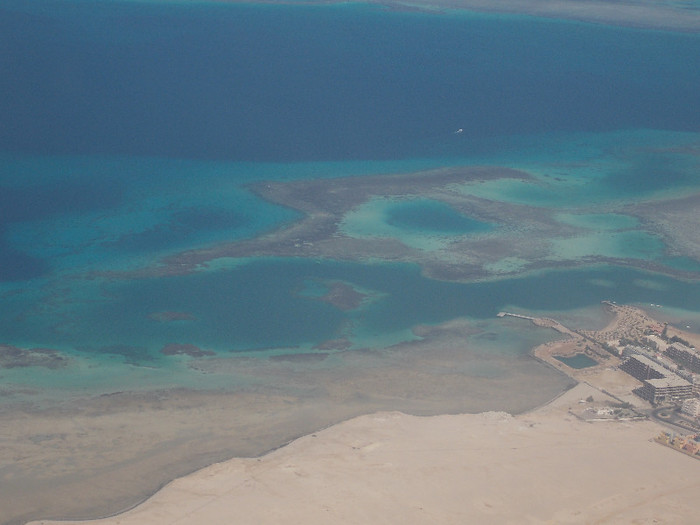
[{"x": 541, "y": 467}]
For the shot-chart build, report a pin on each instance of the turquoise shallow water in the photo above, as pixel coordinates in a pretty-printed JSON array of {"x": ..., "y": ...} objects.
[
  {"x": 432, "y": 217},
  {"x": 266, "y": 303},
  {"x": 131, "y": 132},
  {"x": 419, "y": 223},
  {"x": 114, "y": 330}
]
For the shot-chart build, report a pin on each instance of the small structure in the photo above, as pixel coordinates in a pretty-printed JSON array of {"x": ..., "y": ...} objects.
[
  {"x": 687, "y": 444},
  {"x": 691, "y": 407},
  {"x": 696, "y": 385}
]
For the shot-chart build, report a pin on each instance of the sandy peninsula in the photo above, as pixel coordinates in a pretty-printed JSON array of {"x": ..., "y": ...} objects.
[{"x": 546, "y": 466}]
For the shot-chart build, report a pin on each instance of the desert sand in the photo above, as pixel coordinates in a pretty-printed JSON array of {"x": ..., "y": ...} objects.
[{"x": 545, "y": 466}]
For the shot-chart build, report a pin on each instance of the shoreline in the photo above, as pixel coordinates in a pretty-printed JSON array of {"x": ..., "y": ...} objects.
[
  {"x": 362, "y": 458},
  {"x": 600, "y": 385},
  {"x": 99, "y": 455}
]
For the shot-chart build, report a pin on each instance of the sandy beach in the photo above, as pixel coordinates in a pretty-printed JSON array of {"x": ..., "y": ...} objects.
[{"x": 546, "y": 466}]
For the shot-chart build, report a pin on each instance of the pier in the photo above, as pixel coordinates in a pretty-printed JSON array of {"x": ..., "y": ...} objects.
[
  {"x": 519, "y": 316},
  {"x": 544, "y": 322}
]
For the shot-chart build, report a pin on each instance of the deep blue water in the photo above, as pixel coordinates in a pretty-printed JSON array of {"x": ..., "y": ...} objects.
[{"x": 335, "y": 82}]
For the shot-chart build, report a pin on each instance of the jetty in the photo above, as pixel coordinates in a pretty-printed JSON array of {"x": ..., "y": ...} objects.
[
  {"x": 544, "y": 322},
  {"x": 520, "y": 316}
]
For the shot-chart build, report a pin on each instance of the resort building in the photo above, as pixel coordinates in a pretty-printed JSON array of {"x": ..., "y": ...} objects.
[
  {"x": 671, "y": 388},
  {"x": 641, "y": 367},
  {"x": 658, "y": 384},
  {"x": 686, "y": 355}
]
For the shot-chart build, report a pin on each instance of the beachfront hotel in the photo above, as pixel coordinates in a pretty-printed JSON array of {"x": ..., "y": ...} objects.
[
  {"x": 686, "y": 355},
  {"x": 658, "y": 384}
]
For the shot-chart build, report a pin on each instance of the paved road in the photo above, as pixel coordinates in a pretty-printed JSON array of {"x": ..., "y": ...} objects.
[{"x": 670, "y": 416}]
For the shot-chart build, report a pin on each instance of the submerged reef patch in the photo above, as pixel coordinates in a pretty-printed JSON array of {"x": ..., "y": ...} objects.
[{"x": 15, "y": 357}]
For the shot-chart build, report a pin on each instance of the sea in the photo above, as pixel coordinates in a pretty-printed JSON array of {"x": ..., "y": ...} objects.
[{"x": 131, "y": 131}]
